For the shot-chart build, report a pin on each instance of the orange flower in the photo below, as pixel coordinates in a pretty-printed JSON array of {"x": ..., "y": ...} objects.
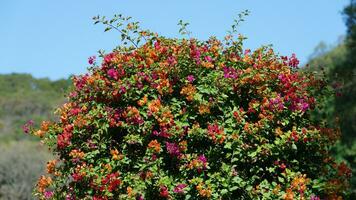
[
  {"x": 80, "y": 122},
  {"x": 143, "y": 101},
  {"x": 149, "y": 174},
  {"x": 204, "y": 109},
  {"x": 203, "y": 192},
  {"x": 207, "y": 64},
  {"x": 39, "y": 133},
  {"x": 132, "y": 112},
  {"x": 289, "y": 195},
  {"x": 164, "y": 86},
  {"x": 300, "y": 182},
  {"x": 155, "y": 145},
  {"x": 115, "y": 154},
  {"x": 43, "y": 183},
  {"x": 77, "y": 154},
  {"x": 189, "y": 91},
  {"x": 154, "y": 105},
  {"x": 51, "y": 165},
  {"x": 129, "y": 191},
  {"x": 45, "y": 125},
  {"x": 278, "y": 131},
  {"x": 183, "y": 145},
  {"x": 166, "y": 118},
  {"x": 276, "y": 189}
]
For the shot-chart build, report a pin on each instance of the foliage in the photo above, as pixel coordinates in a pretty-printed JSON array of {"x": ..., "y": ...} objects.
[
  {"x": 188, "y": 119},
  {"x": 346, "y": 103}
]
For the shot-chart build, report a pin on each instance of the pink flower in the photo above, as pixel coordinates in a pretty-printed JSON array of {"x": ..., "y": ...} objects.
[
  {"x": 190, "y": 78},
  {"x": 203, "y": 159},
  {"x": 173, "y": 149},
  {"x": 230, "y": 72},
  {"x": 26, "y": 127},
  {"x": 109, "y": 57},
  {"x": 140, "y": 197},
  {"x": 314, "y": 197},
  {"x": 195, "y": 54},
  {"x": 48, "y": 194},
  {"x": 122, "y": 89},
  {"x": 162, "y": 133},
  {"x": 157, "y": 45},
  {"x": 113, "y": 74},
  {"x": 171, "y": 60},
  {"x": 293, "y": 61},
  {"x": 208, "y": 58},
  {"x": 276, "y": 103},
  {"x": 80, "y": 81},
  {"x": 180, "y": 188}
]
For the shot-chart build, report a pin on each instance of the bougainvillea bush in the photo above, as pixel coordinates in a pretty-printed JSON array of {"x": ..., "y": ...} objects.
[{"x": 168, "y": 118}]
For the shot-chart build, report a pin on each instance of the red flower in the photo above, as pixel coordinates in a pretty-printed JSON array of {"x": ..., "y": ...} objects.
[
  {"x": 163, "y": 192},
  {"x": 293, "y": 61}
]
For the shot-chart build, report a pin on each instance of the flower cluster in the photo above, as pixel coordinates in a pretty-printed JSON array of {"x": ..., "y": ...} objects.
[{"x": 190, "y": 119}]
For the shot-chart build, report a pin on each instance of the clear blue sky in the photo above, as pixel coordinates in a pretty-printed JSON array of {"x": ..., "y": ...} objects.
[{"x": 53, "y": 39}]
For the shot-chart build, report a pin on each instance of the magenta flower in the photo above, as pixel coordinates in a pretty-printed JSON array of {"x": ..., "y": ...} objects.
[
  {"x": 109, "y": 57},
  {"x": 208, "y": 58},
  {"x": 230, "y": 72},
  {"x": 91, "y": 60},
  {"x": 190, "y": 78},
  {"x": 122, "y": 89},
  {"x": 113, "y": 74},
  {"x": 157, "y": 45},
  {"x": 276, "y": 103},
  {"x": 304, "y": 106},
  {"x": 293, "y": 61},
  {"x": 26, "y": 127},
  {"x": 173, "y": 149},
  {"x": 179, "y": 189},
  {"x": 203, "y": 159},
  {"x": 162, "y": 133},
  {"x": 171, "y": 60},
  {"x": 314, "y": 197},
  {"x": 140, "y": 197},
  {"x": 48, "y": 194}
]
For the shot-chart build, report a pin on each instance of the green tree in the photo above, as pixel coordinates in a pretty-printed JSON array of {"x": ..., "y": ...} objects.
[{"x": 346, "y": 72}]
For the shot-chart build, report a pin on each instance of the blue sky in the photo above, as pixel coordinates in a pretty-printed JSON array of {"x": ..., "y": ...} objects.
[{"x": 54, "y": 38}]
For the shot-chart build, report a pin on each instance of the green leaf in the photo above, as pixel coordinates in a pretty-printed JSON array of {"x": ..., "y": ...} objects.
[
  {"x": 228, "y": 145},
  {"x": 294, "y": 147},
  {"x": 224, "y": 191}
]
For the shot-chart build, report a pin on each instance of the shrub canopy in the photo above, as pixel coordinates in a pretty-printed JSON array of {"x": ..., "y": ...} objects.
[{"x": 191, "y": 119}]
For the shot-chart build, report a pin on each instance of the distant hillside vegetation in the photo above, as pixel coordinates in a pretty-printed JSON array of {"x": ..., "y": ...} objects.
[
  {"x": 327, "y": 57},
  {"x": 336, "y": 63},
  {"x": 23, "y": 97}
]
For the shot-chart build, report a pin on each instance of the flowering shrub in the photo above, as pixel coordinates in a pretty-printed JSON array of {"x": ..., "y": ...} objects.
[{"x": 188, "y": 119}]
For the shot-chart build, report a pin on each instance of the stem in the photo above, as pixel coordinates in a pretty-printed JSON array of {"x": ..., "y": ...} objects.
[{"x": 114, "y": 27}]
